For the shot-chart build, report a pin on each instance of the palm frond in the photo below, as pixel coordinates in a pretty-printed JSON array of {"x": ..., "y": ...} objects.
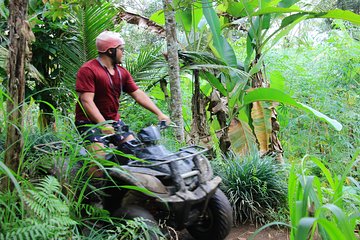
[
  {"x": 79, "y": 45},
  {"x": 206, "y": 61},
  {"x": 148, "y": 67}
]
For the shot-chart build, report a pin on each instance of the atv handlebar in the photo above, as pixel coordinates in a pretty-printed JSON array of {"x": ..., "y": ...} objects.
[
  {"x": 161, "y": 125},
  {"x": 173, "y": 157}
]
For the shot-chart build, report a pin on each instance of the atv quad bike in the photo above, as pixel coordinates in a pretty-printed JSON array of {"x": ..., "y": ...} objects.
[
  {"x": 185, "y": 193},
  {"x": 181, "y": 189}
]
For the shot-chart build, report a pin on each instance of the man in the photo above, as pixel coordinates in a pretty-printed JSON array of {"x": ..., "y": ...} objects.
[{"x": 99, "y": 84}]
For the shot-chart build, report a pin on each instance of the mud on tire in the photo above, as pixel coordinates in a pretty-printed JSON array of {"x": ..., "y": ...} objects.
[{"x": 217, "y": 221}]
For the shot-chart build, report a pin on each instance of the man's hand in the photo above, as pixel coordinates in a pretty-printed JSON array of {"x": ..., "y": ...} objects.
[
  {"x": 163, "y": 117},
  {"x": 107, "y": 129},
  {"x": 144, "y": 100}
]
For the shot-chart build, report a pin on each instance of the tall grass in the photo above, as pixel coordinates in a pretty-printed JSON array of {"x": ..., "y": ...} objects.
[
  {"x": 318, "y": 206},
  {"x": 51, "y": 185},
  {"x": 3, "y": 117},
  {"x": 322, "y": 207},
  {"x": 255, "y": 186},
  {"x": 325, "y": 75}
]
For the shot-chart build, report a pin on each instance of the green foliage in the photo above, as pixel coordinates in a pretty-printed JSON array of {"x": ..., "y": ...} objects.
[
  {"x": 138, "y": 38},
  {"x": 236, "y": 81},
  {"x": 148, "y": 67},
  {"x": 51, "y": 210},
  {"x": 324, "y": 74},
  {"x": 256, "y": 187},
  {"x": 269, "y": 94},
  {"x": 79, "y": 41},
  {"x": 260, "y": 15},
  {"x": 3, "y": 62},
  {"x": 136, "y": 229},
  {"x": 332, "y": 65},
  {"x": 47, "y": 214},
  {"x": 313, "y": 202},
  {"x": 43, "y": 70},
  {"x": 322, "y": 208}
]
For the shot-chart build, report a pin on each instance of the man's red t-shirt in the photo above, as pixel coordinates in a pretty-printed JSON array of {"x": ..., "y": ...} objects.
[{"x": 92, "y": 77}]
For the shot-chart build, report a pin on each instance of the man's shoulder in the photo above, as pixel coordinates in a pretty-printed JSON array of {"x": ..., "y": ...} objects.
[
  {"x": 121, "y": 67},
  {"x": 123, "y": 70},
  {"x": 91, "y": 63},
  {"x": 89, "y": 68}
]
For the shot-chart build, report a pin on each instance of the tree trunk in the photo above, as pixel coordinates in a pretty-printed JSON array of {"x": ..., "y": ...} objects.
[
  {"x": 174, "y": 70},
  {"x": 199, "y": 128},
  {"x": 19, "y": 34},
  {"x": 218, "y": 107}
]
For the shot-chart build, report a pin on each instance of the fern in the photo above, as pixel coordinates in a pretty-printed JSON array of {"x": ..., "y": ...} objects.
[
  {"x": 28, "y": 230},
  {"x": 47, "y": 214},
  {"x": 92, "y": 211},
  {"x": 138, "y": 228},
  {"x": 44, "y": 201}
]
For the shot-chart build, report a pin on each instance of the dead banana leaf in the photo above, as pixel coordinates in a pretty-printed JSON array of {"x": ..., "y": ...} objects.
[
  {"x": 261, "y": 117},
  {"x": 241, "y": 137}
]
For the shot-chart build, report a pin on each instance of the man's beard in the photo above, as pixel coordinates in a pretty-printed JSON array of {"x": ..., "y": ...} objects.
[{"x": 115, "y": 61}]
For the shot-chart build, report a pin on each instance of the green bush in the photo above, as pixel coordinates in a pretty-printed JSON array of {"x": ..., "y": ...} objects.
[
  {"x": 45, "y": 214},
  {"x": 326, "y": 207},
  {"x": 256, "y": 187},
  {"x": 324, "y": 75}
]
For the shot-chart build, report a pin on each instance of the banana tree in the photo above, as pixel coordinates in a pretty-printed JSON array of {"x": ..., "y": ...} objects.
[
  {"x": 259, "y": 41},
  {"x": 253, "y": 121},
  {"x": 198, "y": 61}
]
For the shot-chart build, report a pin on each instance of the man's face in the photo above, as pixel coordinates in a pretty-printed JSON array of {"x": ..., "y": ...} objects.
[{"x": 119, "y": 53}]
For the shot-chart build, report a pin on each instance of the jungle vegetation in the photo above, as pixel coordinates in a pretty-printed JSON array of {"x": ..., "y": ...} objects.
[{"x": 271, "y": 86}]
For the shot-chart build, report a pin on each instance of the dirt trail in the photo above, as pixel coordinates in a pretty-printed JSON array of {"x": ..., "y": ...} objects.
[{"x": 243, "y": 232}]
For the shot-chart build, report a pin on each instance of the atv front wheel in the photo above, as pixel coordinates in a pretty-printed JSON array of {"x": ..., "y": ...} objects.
[{"x": 216, "y": 222}]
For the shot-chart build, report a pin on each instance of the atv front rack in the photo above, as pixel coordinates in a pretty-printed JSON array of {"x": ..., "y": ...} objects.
[
  {"x": 166, "y": 160},
  {"x": 202, "y": 166}
]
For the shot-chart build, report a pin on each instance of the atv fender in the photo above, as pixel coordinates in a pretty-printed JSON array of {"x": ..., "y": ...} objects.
[
  {"x": 151, "y": 183},
  {"x": 141, "y": 180}
]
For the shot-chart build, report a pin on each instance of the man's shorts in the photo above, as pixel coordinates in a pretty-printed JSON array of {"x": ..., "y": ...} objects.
[{"x": 92, "y": 133}]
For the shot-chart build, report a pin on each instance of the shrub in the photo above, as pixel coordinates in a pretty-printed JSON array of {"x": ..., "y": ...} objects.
[
  {"x": 321, "y": 206},
  {"x": 46, "y": 214},
  {"x": 256, "y": 187}
]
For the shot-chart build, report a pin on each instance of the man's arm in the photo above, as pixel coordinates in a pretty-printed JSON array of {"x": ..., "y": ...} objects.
[{"x": 143, "y": 99}]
